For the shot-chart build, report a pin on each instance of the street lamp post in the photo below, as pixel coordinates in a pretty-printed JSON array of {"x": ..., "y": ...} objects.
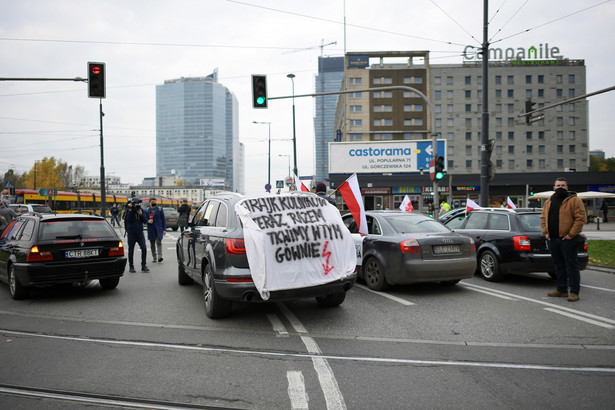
[
  {"x": 269, "y": 155},
  {"x": 292, "y": 79}
]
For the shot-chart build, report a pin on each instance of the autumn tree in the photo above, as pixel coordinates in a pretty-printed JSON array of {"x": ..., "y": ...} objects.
[
  {"x": 597, "y": 164},
  {"x": 48, "y": 173}
]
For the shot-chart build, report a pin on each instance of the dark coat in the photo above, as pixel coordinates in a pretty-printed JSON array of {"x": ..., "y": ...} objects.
[
  {"x": 133, "y": 222},
  {"x": 159, "y": 224}
]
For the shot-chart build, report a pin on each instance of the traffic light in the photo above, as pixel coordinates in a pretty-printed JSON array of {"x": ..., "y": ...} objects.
[
  {"x": 439, "y": 168},
  {"x": 490, "y": 171},
  {"x": 529, "y": 106},
  {"x": 96, "y": 80},
  {"x": 531, "y": 191},
  {"x": 259, "y": 91}
]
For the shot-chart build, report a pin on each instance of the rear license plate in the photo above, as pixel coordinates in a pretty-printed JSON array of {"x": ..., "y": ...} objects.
[
  {"x": 82, "y": 253},
  {"x": 440, "y": 249}
]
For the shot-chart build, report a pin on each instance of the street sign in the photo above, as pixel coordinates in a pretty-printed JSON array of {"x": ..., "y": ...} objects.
[
  {"x": 268, "y": 187},
  {"x": 279, "y": 183},
  {"x": 48, "y": 191}
]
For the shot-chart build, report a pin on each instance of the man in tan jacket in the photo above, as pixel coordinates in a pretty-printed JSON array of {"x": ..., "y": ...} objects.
[{"x": 562, "y": 220}]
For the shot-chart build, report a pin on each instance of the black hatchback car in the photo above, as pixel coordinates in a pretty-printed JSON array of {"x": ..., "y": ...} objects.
[
  {"x": 49, "y": 249},
  {"x": 212, "y": 253},
  {"x": 510, "y": 241}
]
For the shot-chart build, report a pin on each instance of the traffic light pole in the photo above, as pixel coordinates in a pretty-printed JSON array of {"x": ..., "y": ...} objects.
[{"x": 103, "y": 193}]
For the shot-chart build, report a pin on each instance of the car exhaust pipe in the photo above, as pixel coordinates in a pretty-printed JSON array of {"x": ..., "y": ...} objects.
[{"x": 249, "y": 296}]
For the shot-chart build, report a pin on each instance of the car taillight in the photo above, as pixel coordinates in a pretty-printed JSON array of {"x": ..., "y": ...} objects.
[
  {"x": 117, "y": 250},
  {"x": 584, "y": 242},
  {"x": 472, "y": 245},
  {"x": 239, "y": 280},
  {"x": 522, "y": 243},
  {"x": 235, "y": 246},
  {"x": 37, "y": 256},
  {"x": 410, "y": 246}
]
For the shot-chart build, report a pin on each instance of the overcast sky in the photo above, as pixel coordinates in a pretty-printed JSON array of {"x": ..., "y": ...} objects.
[{"x": 144, "y": 42}]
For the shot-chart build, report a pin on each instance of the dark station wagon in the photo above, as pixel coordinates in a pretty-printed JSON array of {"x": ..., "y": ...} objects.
[{"x": 48, "y": 249}]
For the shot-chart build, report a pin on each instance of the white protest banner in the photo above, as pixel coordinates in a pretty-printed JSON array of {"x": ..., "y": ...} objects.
[{"x": 294, "y": 240}]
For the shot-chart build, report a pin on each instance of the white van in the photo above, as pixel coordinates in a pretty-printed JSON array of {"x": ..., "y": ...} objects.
[{"x": 23, "y": 208}]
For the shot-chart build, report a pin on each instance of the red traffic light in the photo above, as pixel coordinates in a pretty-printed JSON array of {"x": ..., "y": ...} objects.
[
  {"x": 96, "y": 80},
  {"x": 95, "y": 69}
]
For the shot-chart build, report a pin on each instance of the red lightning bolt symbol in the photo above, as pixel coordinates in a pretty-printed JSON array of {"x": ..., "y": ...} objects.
[{"x": 326, "y": 254}]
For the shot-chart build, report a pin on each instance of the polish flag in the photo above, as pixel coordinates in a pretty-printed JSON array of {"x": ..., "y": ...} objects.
[
  {"x": 509, "y": 204},
  {"x": 406, "y": 206},
  {"x": 299, "y": 185},
  {"x": 352, "y": 196},
  {"x": 470, "y": 205}
]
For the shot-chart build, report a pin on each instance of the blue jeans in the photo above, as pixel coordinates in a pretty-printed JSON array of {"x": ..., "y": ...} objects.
[{"x": 566, "y": 260}]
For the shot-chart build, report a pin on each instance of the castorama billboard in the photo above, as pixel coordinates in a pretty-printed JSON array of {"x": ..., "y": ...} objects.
[{"x": 377, "y": 157}]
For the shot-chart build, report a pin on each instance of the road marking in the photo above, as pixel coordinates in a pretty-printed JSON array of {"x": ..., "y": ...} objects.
[
  {"x": 551, "y": 305},
  {"x": 296, "y": 390},
  {"x": 158, "y": 345},
  {"x": 492, "y": 294},
  {"x": 277, "y": 325},
  {"x": 597, "y": 288},
  {"x": 386, "y": 295},
  {"x": 328, "y": 383},
  {"x": 593, "y": 322}
]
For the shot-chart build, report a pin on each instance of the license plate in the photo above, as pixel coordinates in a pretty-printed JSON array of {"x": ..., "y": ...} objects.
[
  {"x": 82, "y": 253},
  {"x": 440, "y": 249}
]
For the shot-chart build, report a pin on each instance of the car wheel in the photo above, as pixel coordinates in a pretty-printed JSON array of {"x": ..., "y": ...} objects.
[
  {"x": 110, "y": 283},
  {"x": 331, "y": 300},
  {"x": 182, "y": 276},
  {"x": 17, "y": 290},
  {"x": 215, "y": 306},
  {"x": 374, "y": 275},
  {"x": 450, "y": 282},
  {"x": 489, "y": 267}
]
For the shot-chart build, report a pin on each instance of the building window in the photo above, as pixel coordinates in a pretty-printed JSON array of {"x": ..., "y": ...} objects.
[
  {"x": 449, "y": 108},
  {"x": 383, "y": 80},
  {"x": 479, "y": 94},
  {"x": 356, "y": 108},
  {"x": 380, "y": 137},
  {"x": 449, "y": 122},
  {"x": 468, "y": 122},
  {"x": 541, "y": 149},
  {"x": 572, "y": 163},
  {"x": 498, "y": 135},
  {"x": 438, "y": 94},
  {"x": 437, "y": 80},
  {"x": 449, "y": 80},
  {"x": 541, "y": 93},
  {"x": 468, "y": 163},
  {"x": 498, "y": 163},
  {"x": 541, "y": 135},
  {"x": 355, "y": 80},
  {"x": 511, "y": 135},
  {"x": 511, "y": 107},
  {"x": 413, "y": 122},
  {"x": 468, "y": 136},
  {"x": 572, "y": 148},
  {"x": 511, "y": 122},
  {"x": 559, "y": 79},
  {"x": 355, "y": 95},
  {"x": 528, "y": 93},
  {"x": 450, "y": 136},
  {"x": 498, "y": 93},
  {"x": 571, "y": 92},
  {"x": 498, "y": 79},
  {"x": 541, "y": 79},
  {"x": 529, "y": 163},
  {"x": 528, "y": 79},
  {"x": 571, "y": 79},
  {"x": 559, "y": 135},
  {"x": 510, "y": 79},
  {"x": 560, "y": 163},
  {"x": 571, "y": 135},
  {"x": 411, "y": 108},
  {"x": 449, "y": 94},
  {"x": 498, "y": 108},
  {"x": 498, "y": 149},
  {"x": 498, "y": 121},
  {"x": 528, "y": 149},
  {"x": 570, "y": 106},
  {"x": 559, "y": 108},
  {"x": 559, "y": 92},
  {"x": 468, "y": 150},
  {"x": 438, "y": 108},
  {"x": 559, "y": 121},
  {"x": 468, "y": 107},
  {"x": 511, "y": 164},
  {"x": 511, "y": 149},
  {"x": 356, "y": 123},
  {"x": 560, "y": 149},
  {"x": 541, "y": 163},
  {"x": 571, "y": 120},
  {"x": 383, "y": 122},
  {"x": 468, "y": 80},
  {"x": 468, "y": 93},
  {"x": 438, "y": 122},
  {"x": 510, "y": 93},
  {"x": 528, "y": 135},
  {"x": 356, "y": 137}
]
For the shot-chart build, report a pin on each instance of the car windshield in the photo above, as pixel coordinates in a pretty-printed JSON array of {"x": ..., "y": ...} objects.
[
  {"x": 76, "y": 229},
  {"x": 530, "y": 222},
  {"x": 409, "y": 224},
  {"x": 43, "y": 209}
]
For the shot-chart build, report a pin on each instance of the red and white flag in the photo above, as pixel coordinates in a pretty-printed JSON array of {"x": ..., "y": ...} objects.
[
  {"x": 299, "y": 185},
  {"x": 510, "y": 204},
  {"x": 406, "y": 205},
  {"x": 352, "y": 196},
  {"x": 470, "y": 205}
]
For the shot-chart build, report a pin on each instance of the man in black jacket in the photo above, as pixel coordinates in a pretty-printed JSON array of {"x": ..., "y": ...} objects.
[{"x": 133, "y": 223}]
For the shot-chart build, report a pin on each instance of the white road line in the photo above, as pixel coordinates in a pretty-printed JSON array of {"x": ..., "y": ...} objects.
[
  {"x": 386, "y": 295},
  {"x": 593, "y": 322},
  {"x": 328, "y": 383},
  {"x": 492, "y": 294},
  {"x": 598, "y": 288},
  {"x": 296, "y": 390},
  {"x": 158, "y": 345},
  {"x": 277, "y": 325},
  {"x": 540, "y": 302}
]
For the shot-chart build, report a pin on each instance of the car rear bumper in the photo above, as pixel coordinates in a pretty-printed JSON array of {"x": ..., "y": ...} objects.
[
  {"x": 534, "y": 262},
  {"x": 35, "y": 274},
  {"x": 247, "y": 292},
  {"x": 417, "y": 271}
]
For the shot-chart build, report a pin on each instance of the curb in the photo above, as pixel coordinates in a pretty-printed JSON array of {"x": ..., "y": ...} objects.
[{"x": 600, "y": 268}]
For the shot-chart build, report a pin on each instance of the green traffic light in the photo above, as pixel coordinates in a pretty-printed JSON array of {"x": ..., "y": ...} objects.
[
  {"x": 260, "y": 100},
  {"x": 439, "y": 175}
]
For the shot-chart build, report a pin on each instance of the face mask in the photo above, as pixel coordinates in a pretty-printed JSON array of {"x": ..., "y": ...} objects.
[
  {"x": 561, "y": 192},
  {"x": 153, "y": 204}
]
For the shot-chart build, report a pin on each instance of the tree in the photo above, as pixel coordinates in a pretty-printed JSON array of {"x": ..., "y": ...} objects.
[
  {"x": 46, "y": 173},
  {"x": 17, "y": 179},
  {"x": 597, "y": 164}
]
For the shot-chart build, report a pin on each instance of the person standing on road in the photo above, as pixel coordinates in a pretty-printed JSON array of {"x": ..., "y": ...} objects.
[
  {"x": 6, "y": 214},
  {"x": 605, "y": 210},
  {"x": 184, "y": 215},
  {"x": 156, "y": 228},
  {"x": 562, "y": 220},
  {"x": 133, "y": 223},
  {"x": 115, "y": 212}
]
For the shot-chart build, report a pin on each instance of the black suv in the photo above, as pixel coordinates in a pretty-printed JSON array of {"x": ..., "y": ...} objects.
[
  {"x": 48, "y": 249},
  {"x": 509, "y": 241},
  {"x": 212, "y": 253}
]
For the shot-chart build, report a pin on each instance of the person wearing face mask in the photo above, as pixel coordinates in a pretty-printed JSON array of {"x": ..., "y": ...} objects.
[
  {"x": 562, "y": 220},
  {"x": 156, "y": 228}
]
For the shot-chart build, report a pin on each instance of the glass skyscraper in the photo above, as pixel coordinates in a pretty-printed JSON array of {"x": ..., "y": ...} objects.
[
  {"x": 330, "y": 77},
  {"x": 197, "y": 133}
]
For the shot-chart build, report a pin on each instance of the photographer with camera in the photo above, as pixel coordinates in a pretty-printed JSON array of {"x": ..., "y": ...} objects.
[{"x": 133, "y": 223}]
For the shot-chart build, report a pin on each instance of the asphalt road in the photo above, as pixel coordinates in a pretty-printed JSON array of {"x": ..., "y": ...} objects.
[{"x": 148, "y": 344}]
